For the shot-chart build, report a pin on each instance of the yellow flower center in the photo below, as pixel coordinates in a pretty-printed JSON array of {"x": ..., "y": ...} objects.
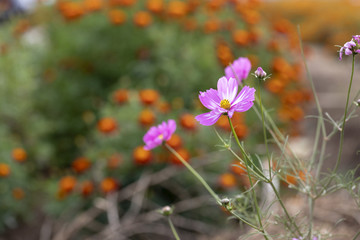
[
  {"x": 225, "y": 104},
  {"x": 161, "y": 137}
]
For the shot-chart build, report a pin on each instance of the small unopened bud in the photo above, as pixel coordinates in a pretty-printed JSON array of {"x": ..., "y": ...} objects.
[
  {"x": 260, "y": 73},
  {"x": 166, "y": 211},
  {"x": 357, "y": 102},
  {"x": 225, "y": 201}
]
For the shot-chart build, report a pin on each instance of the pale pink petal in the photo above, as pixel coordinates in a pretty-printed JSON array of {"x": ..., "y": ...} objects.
[
  {"x": 210, "y": 99},
  {"x": 246, "y": 94},
  {"x": 156, "y": 135},
  {"x": 243, "y": 106},
  {"x": 227, "y": 89},
  {"x": 209, "y": 118}
]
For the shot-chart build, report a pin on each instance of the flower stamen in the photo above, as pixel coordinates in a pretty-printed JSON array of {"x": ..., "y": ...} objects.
[{"x": 225, "y": 104}]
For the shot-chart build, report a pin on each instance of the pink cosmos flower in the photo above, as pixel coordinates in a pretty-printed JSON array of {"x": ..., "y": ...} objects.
[
  {"x": 225, "y": 100},
  {"x": 156, "y": 135},
  {"x": 239, "y": 69}
]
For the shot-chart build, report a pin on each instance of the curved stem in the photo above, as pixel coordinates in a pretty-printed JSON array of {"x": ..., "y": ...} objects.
[
  {"x": 247, "y": 160},
  {"x": 195, "y": 173},
  {"x": 284, "y": 208},
  {"x": 356, "y": 235},
  {"x": 245, "y": 221},
  {"x": 343, "y": 126},
  {"x": 264, "y": 131},
  {"x": 345, "y": 115},
  {"x": 173, "y": 229}
]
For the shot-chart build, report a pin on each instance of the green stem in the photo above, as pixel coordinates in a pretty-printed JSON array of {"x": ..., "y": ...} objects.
[
  {"x": 215, "y": 196},
  {"x": 247, "y": 160},
  {"x": 342, "y": 127},
  {"x": 245, "y": 221},
  {"x": 357, "y": 234},
  {"x": 196, "y": 174},
  {"x": 284, "y": 208},
  {"x": 311, "y": 216},
  {"x": 173, "y": 229},
  {"x": 345, "y": 115},
  {"x": 264, "y": 131}
]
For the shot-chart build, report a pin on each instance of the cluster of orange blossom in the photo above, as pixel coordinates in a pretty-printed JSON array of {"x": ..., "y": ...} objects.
[{"x": 19, "y": 155}]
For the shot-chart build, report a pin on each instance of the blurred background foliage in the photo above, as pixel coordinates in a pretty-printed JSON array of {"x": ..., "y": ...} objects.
[
  {"x": 327, "y": 23},
  {"x": 82, "y": 81}
]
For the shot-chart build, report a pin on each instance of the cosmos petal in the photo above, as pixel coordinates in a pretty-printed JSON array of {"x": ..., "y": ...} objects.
[
  {"x": 208, "y": 118},
  {"x": 210, "y": 99},
  {"x": 227, "y": 89},
  {"x": 246, "y": 94}
]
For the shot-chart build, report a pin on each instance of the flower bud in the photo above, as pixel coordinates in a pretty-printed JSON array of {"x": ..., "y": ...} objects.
[
  {"x": 225, "y": 201},
  {"x": 357, "y": 102},
  {"x": 260, "y": 73},
  {"x": 166, "y": 211}
]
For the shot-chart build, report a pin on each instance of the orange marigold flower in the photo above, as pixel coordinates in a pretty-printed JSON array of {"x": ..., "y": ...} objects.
[
  {"x": 223, "y": 123},
  {"x": 293, "y": 179},
  {"x": 177, "y": 9},
  {"x": 227, "y": 180},
  {"x": 67, "y": 184},
  {"x": 273, "y": 45},
  {"x": 121, "y": 96},
  {"x": 117, "y": 17},
  {"x": 19, "y": 154},
  {"x": 175, "y": 141},
  {"x": 142, "y": 19},
  {"x": 280, "y": 65},
  {"x": 237, "y": 119},
  {"x": 124, "y": 3},
  {"x": 183, "y": 153},
  {"x": 155, "y": 6},
  {"x": 192, "y": 5},
  {"x": 188, "y": 121},
  {"x": 238, "y": 168},
  {"x": 149, "y": 96},
  {"x": 214, "y": 5},
  {"x": 163, "y": 107},
  {"x": 127, "y": 2},
  {"x": 146, "y": 117},
  {"x": 292, "y": 113},
  {"x": 212, "y": 25},
  {"x": 283, "y": 26},
  {"x": 107, "y": 125},
  {"x": 142, "y": 156},
  {"x": 114, "y": 161},
  {"x": 275, "y": 85},
  {"x": 241, "y": 130},
  {"x": 18, "y": 193},
  {"x": 81, "y": 164},
  {"x": 292, "y": 97},
  {"x": 224, "y": 53},
  {"x": 72, "y": 10},
  {"x": 240, "y": 37},
  {"x": 87, "y": 188},
  {"x": 4, "y": 170},
  {"x": 108, "y": 185},
  {"x": 93, "y": 5},
  {"x": 251, "y": 16}
]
